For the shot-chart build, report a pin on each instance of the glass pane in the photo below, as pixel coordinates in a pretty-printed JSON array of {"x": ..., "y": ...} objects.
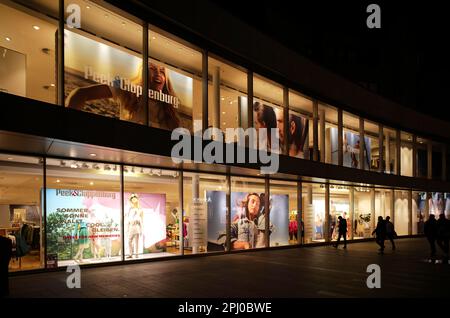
[
  {"x": 84, "y": 213},
  {"x": 313, "y": 196},
  {"x": 390, "y": 151},
  {"x": 283, "y": 213},
  {"x": 300, "y": 139},
  {"x": 371, "y": 132},
  {"x": 401, "y": 218},
  {"x": 328, "y": 136},
  {"x": 418, "y": 211},
  {"x": 103, "y": 72},
  {"x": 362, "y": 220},
  {"x": 231, "y": 108},
  {"x": 339, "y": 207},
  {"x": 152, "y": 213},
  {"x": 21, "y": 183},
  {"x": 204, "y": 213},
  {"x": 28, "y": 52},
  {"x": 175, "y": 84},
  {"x": 248, "y": 213},
  {"x": 406, "y": 154}
]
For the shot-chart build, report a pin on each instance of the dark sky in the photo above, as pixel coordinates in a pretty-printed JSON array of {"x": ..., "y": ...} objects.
[{"x": 407, "y": 60}]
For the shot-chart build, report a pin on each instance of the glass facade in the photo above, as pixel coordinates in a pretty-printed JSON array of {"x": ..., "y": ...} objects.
[
  {"x": 117, "y": 66},
  {"x": 103, "y": 73}
]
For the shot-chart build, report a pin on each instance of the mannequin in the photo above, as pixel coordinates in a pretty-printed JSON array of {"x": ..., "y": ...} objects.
[
  {"x": 82, "y": 235},
  {"x": 134, "y": 226}
]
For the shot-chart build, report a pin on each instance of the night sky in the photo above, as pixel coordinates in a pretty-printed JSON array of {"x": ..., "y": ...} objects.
[{"x": 407, "y": 60}]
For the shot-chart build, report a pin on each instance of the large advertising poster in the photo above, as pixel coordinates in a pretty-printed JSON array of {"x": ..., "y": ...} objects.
[
  {"x": 145, "y": 224},
  {"x": 298, "y": 127},
  {"x": 351, "y": 149},
  {"x": 268, "y": 117},
  {"x": 247, "y": 219},
  {"x": 106, "y": 80},
  {"x": 83, "y": 226}
]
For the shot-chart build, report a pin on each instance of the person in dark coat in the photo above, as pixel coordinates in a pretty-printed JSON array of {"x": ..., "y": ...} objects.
[
  {"x": 430, "y": 230},
  {"x": 5, "y": 257},
  {"x": 342, "y": 228},
  {"x": 443, "y": 235},
  {"x": 380, "y": 232}
]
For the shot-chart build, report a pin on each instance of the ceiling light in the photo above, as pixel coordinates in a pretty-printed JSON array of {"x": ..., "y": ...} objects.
[
  {"x": 106, "y": 15},
  {"x": 58, "y": 181},
  {"x": 74, "y": 165},
  {"x": 231, "y": 103},
  {"x": 91, "y": 183},
  {"x": 10, "y": 158},
  {"x": 8, "y": 38},
  {"x": 224, "y": 123},
  {"x": 123, "y": 23},
  {"x": 36, "y": 27},
  {"x": 52, "y": 85},
  {"x": 93, "y": 155},
  {"x": 153, "y": 38},
  {"x": 88, "y": 7},
  {"x": 223, "y": 113},
  {"x": 222, "y": 98}
]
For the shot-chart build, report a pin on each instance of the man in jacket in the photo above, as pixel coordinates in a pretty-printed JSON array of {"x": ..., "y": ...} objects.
[
  {"x": 380, "y": 232},
  {"x": 390, "y": 231},
  {"x": 443, "y": 235},
  {"x": 430, "y": 230},
  {"x": 342, "y": 228}
]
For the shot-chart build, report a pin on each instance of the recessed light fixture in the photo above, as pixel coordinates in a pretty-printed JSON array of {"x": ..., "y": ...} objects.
[
  {"x": 106, "y": 15},
  {"x": 222, "y": 98},
  {"x": 93, "y": 155},
  {"x": 52, "y": 85},
  {"x": 36, "y": 27},
  {"x": 74, "y": 165},
  {"x": 224, "y": 123},
  {"x": 58, "y": 181},
  {"x": 231, "y": 103},
  {"x": 153, "y": 38},
  {"x": 10, "y": 158},
  {"x": 88, "y": 7},
  {"x": 91, "y": 183},
  {"x": 223, "y": 113},
  {"x": 8, "y": 38},
  {"x": 123, "y": 23}
]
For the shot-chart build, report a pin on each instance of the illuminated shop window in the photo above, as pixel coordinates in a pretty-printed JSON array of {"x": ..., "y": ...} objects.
[
  {"x": 328, "y": 134},
  {"x": 28, "y": 52},
  {"x": 401, "y": 218},
  {"x": 227, "y": 107},
  {"x": 248, "y": 215},
  {"x": 103, "y": 63},
  {"x": 299, "y": 137},
  {"x": 418, "y": 211},
  {"x": 268, "y": 110},
  {"x": 152, "y": 215},
  {"x": 204, "y": 218},
  {"x": 371, "y": 132},
  {"x": 175, "y": 82},
  {"x": 389, "y": 151},
  {"x": 422, "y": 157},
  {"x": 406, "y": 154},
  {"x": 21, "y": 217},
  {"x": 352, "y": 144},
  {"x": 362, "y": 225},
  {"x": 283, "y": 213},
  {"x": 313, "y": 203},
  {"x": 339, "y": 207},
  {"x": 84, "y": 213}
]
